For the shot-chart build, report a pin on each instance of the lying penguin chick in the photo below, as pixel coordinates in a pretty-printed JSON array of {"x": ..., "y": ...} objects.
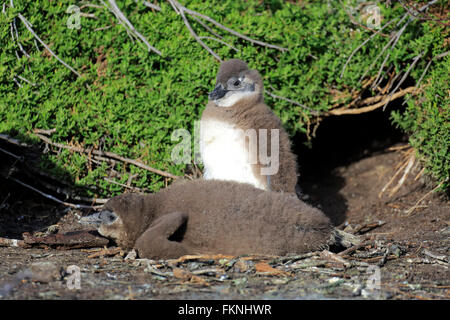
[
  {"x": 232, "y": 127},
  {"x": 212, "y": 216}
]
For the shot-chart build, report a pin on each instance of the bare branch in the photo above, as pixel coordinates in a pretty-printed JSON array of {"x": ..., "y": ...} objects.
[
  {"x": 362, "y": 44},
  {"x": 14, "y": 31},
  {"x": 221, "y": 41},
  {"x": 71, "y": 195},
  {"x": 403, "y": 78},
  {"x": 128, "y": 26},
  {"x": 109, "y": 155},
  {"x": 417, "y": 14},
  {"x": 411, "y": 210},
  {"x": 338, "y": 112},
  {"x": 16, "y": 142},
  {"x": 426, "y": 69},
  {"x": 314, "y": 112},
  {"x": 17, "y": 82},
  {"x": 28, "y": 26},
  {"x": 123, "y": 185},
  {"x": 45, "y": 131},
  {"x": 151, "y": 5},
  {"x": 181, "y": 10},
  {"x": 11, "y": 154},
  {"x": 394, "y": 39},
  {"x": 204, "y": 25},
  {"x": 391, "y": 40},
  {"x": 27, "y": 81}
]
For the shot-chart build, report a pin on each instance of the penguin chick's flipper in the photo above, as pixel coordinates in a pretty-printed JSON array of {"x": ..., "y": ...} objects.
[{"x": 155, "y": 243}]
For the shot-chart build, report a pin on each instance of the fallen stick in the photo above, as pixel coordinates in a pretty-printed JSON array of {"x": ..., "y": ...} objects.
[
  {"x": 411, "y": 161},
  {"x": 295, "y": 257},
  {"x": 386, "y": 186},
  {"x": 5, "y": 242},
  {"x": 368, "y": 227},
  {"x": 69, "y": 240},
  {"x": 109, "y": 155},
  {"x": 106, "y": 252},
  {"x": 442, "y": 257},
  {"x": 411, "y": 210},
  {"x": 354, "y": 248},
  {"x": 335, "y": 258},
  {"x": 71, "y": 195}
]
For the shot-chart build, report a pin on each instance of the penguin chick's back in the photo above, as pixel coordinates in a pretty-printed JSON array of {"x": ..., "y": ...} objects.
[{"x": 233, "y": 218}]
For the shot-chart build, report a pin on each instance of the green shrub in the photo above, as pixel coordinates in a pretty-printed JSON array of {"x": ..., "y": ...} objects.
[
  {"x": 129, "y": 100},
  {"x": 426, "y": 119}
]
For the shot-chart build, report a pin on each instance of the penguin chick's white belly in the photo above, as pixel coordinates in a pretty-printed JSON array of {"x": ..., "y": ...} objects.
[{"x": 223, "y": 153}]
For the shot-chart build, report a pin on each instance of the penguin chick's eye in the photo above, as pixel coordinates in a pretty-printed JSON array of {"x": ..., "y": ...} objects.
[
  {"x": 108, "y": 217},
  {"x": 237, "y": 83}
]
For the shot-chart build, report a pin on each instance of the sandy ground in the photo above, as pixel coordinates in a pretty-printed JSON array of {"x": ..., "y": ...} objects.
[{"x": 405, "y": 255}]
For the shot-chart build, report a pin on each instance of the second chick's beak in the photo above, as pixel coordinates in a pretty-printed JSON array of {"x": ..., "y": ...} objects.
[{"x": 218, "y": 92}]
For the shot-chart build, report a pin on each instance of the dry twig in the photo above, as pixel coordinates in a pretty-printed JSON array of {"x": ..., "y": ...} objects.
[
  {"x": 403, "y": 78},
  {"x": 128, "y": 25},
  {"x": 406, "y": 165},
  {"x": 182, "y": 11},
  {"x": 368, "y": 227},
  {"x": 362, "y": 44},
  {"x": 392, "y": 43},
  {"x": 439, "y": 56},
  {"x": 109, "y": 155},
  {"x": 414, "y": 207},
  {"x": 151, "y": 5},
  {"x": 401, "y": 93},
  {"x": 69, "y": 240},
  {"x": 27, "y": 25},
  {"x": 402, "y": 180},
  {"x": 314, "y": 112}
]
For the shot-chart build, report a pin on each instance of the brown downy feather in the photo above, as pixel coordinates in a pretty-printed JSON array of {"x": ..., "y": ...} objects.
[
  {"x": 219, "y": 217},
  {"x": 253, "y": 113}
]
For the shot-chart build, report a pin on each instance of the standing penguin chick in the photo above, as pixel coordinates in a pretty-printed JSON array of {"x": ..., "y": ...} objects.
[
  {"x": 232, "y": 126},
  {"x": 212, "y": 216}
]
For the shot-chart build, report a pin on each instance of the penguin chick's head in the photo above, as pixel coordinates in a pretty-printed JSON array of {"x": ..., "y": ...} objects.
[
  {"x": 121, "y": 219},
  {"x": 236, "y": 84},
  {"x": 107, "y": 222}
]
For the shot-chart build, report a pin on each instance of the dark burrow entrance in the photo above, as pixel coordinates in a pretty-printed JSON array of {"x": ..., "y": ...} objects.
[{"x": 340, "y": 141}]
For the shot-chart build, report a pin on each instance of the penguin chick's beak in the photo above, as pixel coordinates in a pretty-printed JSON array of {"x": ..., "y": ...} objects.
[
  {"x": 91, "y": 220},
  {"x": 98, "y": 218},
  {"x": 218, "y": 92}
]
